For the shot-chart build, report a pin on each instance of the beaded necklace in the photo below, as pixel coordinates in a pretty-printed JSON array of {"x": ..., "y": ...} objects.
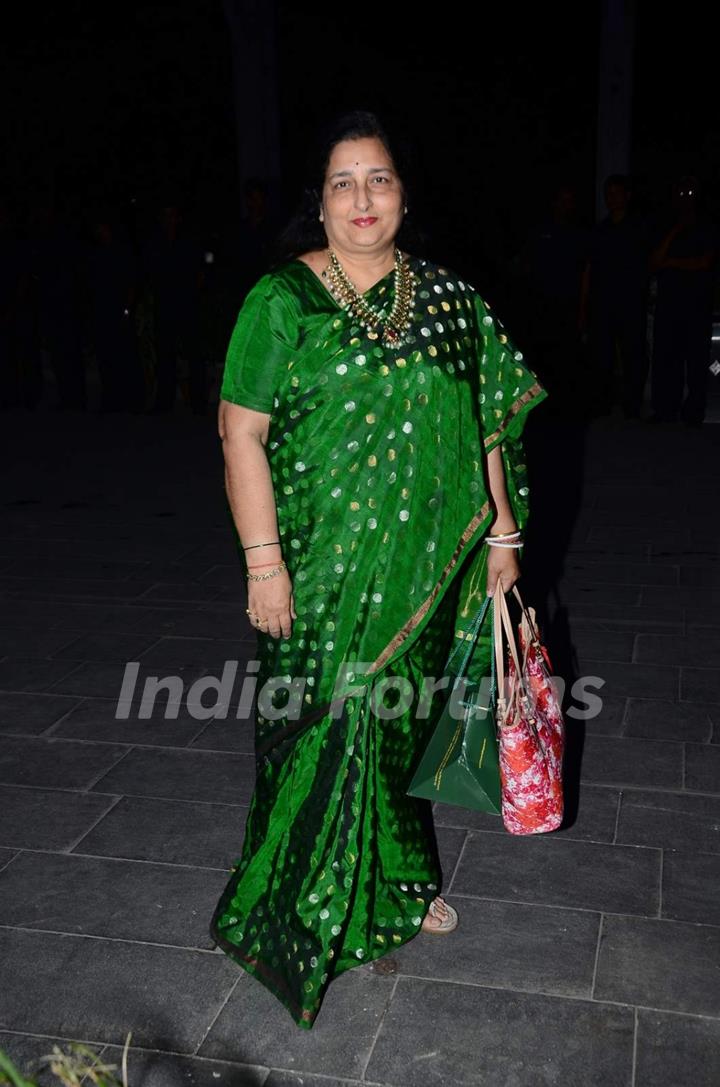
[{"x": 392, "y": 327}]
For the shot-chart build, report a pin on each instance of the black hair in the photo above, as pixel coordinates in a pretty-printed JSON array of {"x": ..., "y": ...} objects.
[{"x": 304, "y": 231}]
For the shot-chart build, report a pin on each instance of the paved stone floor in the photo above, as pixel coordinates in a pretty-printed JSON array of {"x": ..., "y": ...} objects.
[{"x": 589, "y": 956}]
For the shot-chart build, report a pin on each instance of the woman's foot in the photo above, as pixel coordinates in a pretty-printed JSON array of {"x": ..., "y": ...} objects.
[{"x": 440, "y": 917}]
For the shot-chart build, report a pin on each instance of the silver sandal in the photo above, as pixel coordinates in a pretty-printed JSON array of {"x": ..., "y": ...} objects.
[{"x": 448, "y": 924}]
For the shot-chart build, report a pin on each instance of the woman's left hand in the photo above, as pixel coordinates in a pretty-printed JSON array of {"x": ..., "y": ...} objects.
[{"x": 502, "y": 564}]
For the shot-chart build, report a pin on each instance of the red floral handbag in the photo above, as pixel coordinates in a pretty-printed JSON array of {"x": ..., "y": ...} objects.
[{"x": 531, "y": 729}]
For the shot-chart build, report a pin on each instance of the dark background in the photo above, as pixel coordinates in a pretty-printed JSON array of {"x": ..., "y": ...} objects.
[{"x": 134, "y": 104}]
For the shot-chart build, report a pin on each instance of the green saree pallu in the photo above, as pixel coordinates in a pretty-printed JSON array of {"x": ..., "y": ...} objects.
[{"x": 376, "y": 459}]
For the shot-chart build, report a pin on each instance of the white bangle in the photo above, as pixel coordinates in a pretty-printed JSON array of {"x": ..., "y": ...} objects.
[
  {"x": 501, "y": 543},
  {"x": 503, "y": 535}
]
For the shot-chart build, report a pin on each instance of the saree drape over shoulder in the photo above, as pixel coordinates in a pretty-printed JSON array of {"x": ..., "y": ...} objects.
[{"x": 376, "y": 458}]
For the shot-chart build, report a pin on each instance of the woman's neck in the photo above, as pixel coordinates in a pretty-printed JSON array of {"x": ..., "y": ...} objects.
[{"x": 365, "y": 269}]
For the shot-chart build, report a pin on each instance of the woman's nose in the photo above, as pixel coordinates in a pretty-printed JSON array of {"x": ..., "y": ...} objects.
[{"x": 362, "y": 198}]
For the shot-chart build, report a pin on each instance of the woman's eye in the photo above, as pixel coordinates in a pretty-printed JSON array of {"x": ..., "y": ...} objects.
[
  {"x": 339, "y": 183},
  {"x": 380, "y": 178}
]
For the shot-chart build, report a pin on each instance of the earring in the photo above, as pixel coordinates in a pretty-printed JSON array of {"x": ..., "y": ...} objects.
[{"x": 406, "y": 209}]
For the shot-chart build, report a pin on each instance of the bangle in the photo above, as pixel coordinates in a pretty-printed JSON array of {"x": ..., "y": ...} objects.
[
  {"x": 259, "y": 564},
  {"x": 261, "y": 545},
  {"x": 503, "y": 535},
  {"x": 503, "y": 543},
  {"x": 271, "y": 573}
]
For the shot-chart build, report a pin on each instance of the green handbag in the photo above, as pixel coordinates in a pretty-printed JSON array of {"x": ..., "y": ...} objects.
[{"x": 460, "y": 764}]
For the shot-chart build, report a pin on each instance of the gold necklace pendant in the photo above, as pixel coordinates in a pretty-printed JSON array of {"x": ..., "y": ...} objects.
[{"x": 391, "y": 328}]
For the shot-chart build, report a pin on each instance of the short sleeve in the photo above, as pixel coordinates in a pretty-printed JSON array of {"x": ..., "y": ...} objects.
[
  {"x": 508, "y": 388},
  {"x": 262, "y": 343}
]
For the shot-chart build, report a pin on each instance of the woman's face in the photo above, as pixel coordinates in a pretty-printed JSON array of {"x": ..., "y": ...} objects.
[{"x": 362, "y": 200}]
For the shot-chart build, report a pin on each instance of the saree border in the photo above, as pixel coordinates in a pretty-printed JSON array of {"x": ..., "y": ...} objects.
[
  {"x": 532, "y": 393},
  {"x": 422, "y": 611}
]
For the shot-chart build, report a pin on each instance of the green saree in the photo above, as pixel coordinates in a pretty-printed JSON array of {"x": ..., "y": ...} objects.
[{"x": 376, "y": 458}]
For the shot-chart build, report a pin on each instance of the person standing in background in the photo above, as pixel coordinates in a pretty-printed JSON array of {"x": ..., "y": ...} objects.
[
  {"x": 175, "y": 273},
  {"x": 685, "y": 261}
]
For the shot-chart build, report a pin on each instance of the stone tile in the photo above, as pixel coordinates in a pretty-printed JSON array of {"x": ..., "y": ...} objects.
[
  {"x": 668, "y": 965},
  {"x": 104, "y": 679},
  {"x": 450, "y": 841},
  {"x": 230, "y": 734},
  {"x": 97, "y": 896},
  {"x": 651, "y": 719},
  {"x": 106, "y": 646},
  {"x": 677, "y": 1049},
  {"x": 699, "y": 651},
  {"x": 689, "y": 887},
  {"x": 34, "y": 641},
  {"x": 48, "y": 819},
  {"x": 213, "y": 653},
  {"x": 700, "y": 684},
  {"x": 168, "y": 1070},
  {"x": 680, "y": 821},
  {"x": 705, "y": 575},
  {"x": 702, "y": 768},
  {"x": 632, "y": 680},
  {"x": 608, "y": 722},
  {"x": 74, "y": 566},
  {"x": 32, "y": 673},
  {"x": 597, "y": 594},
  {"x": 694, "y": 598},
  {"x": 182, "y": 775},
  {"x": 190, "y": 591},
  {"x": 488, "y": 1036},
  {"x": 508, "y": 945},
  {"x": 39, "y": 588},
  {"x": 58, "y": 764},
  {"x": 603, "y": 645},
  {"x": 129, "y": 618},
  {"x": 593, "y": 818},
  {"x": 223, "y": 621},
  {"x": 30, "y": 714},
  {"x": 559, "y": 872},
  {"x": 297, "y": 1079},
  {"x": 618, "y": 616},
  {"x": 167, "y": 996},
  {"x": 626, "y": 573},
  {"x": 254, "y": 1023},
  {"x": 611, "y": 760},
  {"x": 95, "y": 719},
  {"x": 174, "y": 831}
]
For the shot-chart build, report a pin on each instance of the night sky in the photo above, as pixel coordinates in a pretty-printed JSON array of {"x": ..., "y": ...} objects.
[{"x": 122, "y": 102}]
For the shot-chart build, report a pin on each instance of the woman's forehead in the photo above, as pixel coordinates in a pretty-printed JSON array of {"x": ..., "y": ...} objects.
[{"x": 359, "y": 154}]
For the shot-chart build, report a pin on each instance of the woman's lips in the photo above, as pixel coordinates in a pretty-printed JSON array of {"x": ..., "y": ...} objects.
[{"x": 365, "y": 222}]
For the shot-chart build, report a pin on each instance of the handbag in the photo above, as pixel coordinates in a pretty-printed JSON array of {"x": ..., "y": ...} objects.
[
  {"x": 531, "y": 729},
  {"x": 460, "y": 764}
]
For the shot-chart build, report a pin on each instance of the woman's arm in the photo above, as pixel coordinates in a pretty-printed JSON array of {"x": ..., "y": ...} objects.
[
  {"x": 248, "y": 484},
  {"x": 502, "y": 561}
]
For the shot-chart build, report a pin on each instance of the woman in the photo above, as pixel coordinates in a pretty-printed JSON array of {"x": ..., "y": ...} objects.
[{"x": 371, "y": 411}]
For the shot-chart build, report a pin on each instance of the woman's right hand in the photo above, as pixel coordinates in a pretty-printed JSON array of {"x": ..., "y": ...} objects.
[{"x": 272, "y": 600}]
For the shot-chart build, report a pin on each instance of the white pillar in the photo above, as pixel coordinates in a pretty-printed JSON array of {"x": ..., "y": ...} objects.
[{"x": 615, "y": 93}]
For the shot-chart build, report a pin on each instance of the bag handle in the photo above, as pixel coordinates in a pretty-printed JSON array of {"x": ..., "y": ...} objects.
[
  {"x": 469, "y": 643},
  {"x": 501, "y": 620}
]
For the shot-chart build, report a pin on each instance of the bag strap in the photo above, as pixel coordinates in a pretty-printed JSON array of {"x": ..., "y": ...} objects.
[
  {"x": 502, "y": 621},
  {"x": 527, "y": 618},
  {"x": 469, "y": 643}
]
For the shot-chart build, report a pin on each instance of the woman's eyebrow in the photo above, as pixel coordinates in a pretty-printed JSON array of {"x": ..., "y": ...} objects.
[{"x": 372, "y": 170}]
